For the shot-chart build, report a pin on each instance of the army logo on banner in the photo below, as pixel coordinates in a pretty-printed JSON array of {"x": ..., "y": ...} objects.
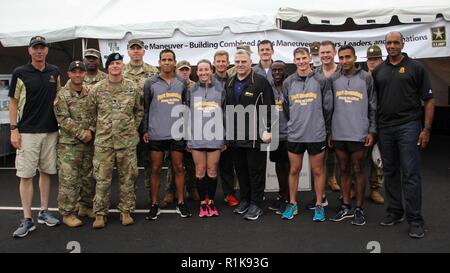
[{"x": 439, "y": 39}]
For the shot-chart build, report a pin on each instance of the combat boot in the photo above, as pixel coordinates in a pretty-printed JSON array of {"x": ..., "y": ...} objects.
[
  {"x": 86, "y": 212},
  {"x": 332, "y": 183},
  {"x": 168, "y": 198},
  {"x": 100, "y": 221},
  {"x": 71, "y": 221},
  {"x": 376, "y": 197},
  {"x": 126, "y": 219},
  {"x": 194, "y": 195}
]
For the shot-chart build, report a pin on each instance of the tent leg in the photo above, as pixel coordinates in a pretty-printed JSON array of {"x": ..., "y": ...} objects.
[{"x": 83, "y": 45}]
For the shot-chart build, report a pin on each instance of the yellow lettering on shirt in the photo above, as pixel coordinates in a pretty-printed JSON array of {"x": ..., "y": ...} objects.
[
  {"x": 279, "y": 105},
  {"x": 169, "y": 98},
  {"x": 303, "y": 98},
  {"x": 206, "y": 106},
  {"x": 349, "y": 96}
]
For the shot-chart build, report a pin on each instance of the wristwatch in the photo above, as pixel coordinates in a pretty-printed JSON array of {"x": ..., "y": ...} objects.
[{"x": 13, "y": 127}]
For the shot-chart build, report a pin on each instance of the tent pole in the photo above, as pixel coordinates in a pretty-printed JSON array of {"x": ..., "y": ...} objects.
[
  {"x": 83, "y": 46},
  {"x": 279, "y": 23}
]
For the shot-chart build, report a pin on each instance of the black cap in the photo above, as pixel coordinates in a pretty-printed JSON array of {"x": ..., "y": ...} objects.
[
  {"x": 77, "y": 64},
  {"x": 113, "y": 57},
  {"x": 38, "y": 40}
]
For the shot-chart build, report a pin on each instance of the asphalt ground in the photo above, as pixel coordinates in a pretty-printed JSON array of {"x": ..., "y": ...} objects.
[{"x": 229, "y": 233}]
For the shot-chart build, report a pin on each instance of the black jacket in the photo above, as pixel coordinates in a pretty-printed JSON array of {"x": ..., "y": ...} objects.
[{"x": 257, "y": 93}]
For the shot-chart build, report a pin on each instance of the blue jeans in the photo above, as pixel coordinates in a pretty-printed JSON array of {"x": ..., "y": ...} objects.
[{"x": 401, "y": 165}]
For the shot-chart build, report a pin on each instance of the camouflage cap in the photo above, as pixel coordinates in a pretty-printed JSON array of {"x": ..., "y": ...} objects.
[
  {"x": 182, "y": 64},
  {"x": 77, "y": 64},
  {"x": 92, "y": 52},
  {"x": 244, "y": 47},
  {"x": 133, "y": 42},
  {"x": 113, "y": 57},
  {"x": 314, "y": 48},
  {"x": 38, "y": 40},
  {"x": 374, "y": 51}
]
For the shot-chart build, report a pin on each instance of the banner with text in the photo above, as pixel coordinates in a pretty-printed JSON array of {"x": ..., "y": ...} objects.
[{"x": 428, "y": 40}]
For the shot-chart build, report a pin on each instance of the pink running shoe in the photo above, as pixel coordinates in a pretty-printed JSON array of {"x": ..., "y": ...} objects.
[
  {"x": 212, "y": 209},
  {"x": 204, "y": 211}
]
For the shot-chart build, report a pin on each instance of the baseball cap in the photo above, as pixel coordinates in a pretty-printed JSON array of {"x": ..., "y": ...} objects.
[
  {"x": 244, "y": 47},
  {"x": 374, "y": 51},
  {"x": 314, "y": 48},
  {"x": 182, "y": 64},
  {"x": 133, "y": 42},
  {"x": 77, "y": 64},
  {"x": 92, "y": 52},
  {"x": 38, "y": 40}
]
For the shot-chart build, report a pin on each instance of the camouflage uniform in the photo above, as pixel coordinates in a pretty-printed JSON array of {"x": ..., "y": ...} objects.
[
  {"x": 92, "y": 80},
  {"x": 74, "y": 156},
  {"x": 139, "y": 74},
  {"x": 118, "y": 110}
]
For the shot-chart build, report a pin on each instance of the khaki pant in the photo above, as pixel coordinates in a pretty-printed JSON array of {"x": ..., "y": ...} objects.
[{"x": 38, "y": 151}]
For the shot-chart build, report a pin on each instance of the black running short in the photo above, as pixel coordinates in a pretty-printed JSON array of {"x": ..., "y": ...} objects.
[
  {"x": 313, "y": 148},
  {"x": 167, "y": 145},
  {"x": 348, "y": 146}
]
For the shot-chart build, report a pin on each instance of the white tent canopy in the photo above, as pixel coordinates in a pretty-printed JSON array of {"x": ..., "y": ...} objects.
[
  {"x": 60, "y": 20},
  {"x": 364, "y": 12}
]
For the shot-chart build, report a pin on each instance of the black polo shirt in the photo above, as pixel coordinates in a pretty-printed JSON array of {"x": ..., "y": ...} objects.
[
  {"x": 35, "y": 91},
  {"x": 400, "y": 89}
]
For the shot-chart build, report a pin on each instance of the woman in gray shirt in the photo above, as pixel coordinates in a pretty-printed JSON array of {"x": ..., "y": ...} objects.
[{"x": 206, "y": 140}]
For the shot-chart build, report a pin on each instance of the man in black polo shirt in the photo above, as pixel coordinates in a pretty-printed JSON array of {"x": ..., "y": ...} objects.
[
  {"x": 34, "y": 130},
  {"x": 401, "y": 84}
]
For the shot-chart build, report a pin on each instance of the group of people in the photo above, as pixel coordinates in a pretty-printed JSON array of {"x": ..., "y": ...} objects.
[{"x": 223, "y": 125}]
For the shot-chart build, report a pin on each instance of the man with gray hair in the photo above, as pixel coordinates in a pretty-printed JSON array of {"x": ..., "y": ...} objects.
[
  {"x": 244, "y": 90},
  {"x": 232, "y": 71}
]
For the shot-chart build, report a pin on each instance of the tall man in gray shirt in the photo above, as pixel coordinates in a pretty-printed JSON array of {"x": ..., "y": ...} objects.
[
  {"x": 162, "y": 92},
  {"x": 310, "y": 102},
  {"x": 353, "y": 129}
]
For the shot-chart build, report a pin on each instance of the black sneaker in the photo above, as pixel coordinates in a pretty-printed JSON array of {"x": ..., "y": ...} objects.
[
  {"x": 344, "y": 212},
  {"x": 242, "y": 207},
  {"x": 276, "y": 205},
  {"x": 359, "y": 219},
  {"x": 416, "y": 231},
  {"x": 392, "y": 219},
  {"x": 312, "y": 204},
  {"x": 253, "y": 212},
  {"x": 183, "y": 211},
  {"x": 153, "y": 213},
  {"x": 282, "y": 207}
]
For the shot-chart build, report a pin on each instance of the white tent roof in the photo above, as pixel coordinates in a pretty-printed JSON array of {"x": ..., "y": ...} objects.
[
  {"x": 364, "y": 12},
  {"x": 60, "y": 20}
]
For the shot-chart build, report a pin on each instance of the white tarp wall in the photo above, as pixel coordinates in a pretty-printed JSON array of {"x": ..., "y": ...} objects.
[{"x": 421, "y": 41}]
